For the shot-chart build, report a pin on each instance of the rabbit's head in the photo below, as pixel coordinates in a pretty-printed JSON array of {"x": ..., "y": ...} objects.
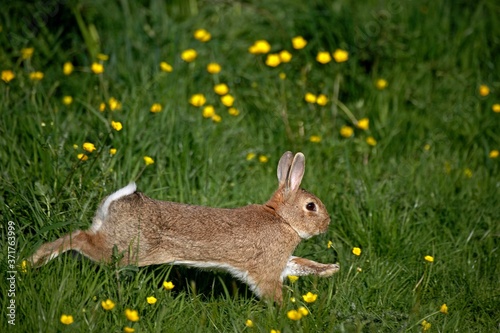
[{"x": 303, "y": 211}]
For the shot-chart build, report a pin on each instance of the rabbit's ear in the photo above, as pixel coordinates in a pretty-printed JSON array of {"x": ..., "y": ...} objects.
[
  {"x": 296, "y": 172},
  {"x": 284, "y": 167}
]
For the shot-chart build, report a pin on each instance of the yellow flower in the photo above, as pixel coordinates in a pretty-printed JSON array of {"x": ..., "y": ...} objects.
[
  {"x": 233, "y": 111},
  {"x": 292, "y": 278},
  {"x": 496, "y": 107},
  {"x": 273, "y": 60},
  {"x": 148, "y": 160},
  {"x": 36, "y": 76},
  {"x": 363, "y": 124},
  {"x": 202, "y": 35},
  {"x": 164, "y": 66},
  {"x": 221, "y": 89},
  {"x": 67, "y": 68},
  {"x": 112, "y": 151},
  {"x": 208, "y": 111},
  {"x": 359, "y": 269},
  {"x": 67, "y": 100},
  {"x": 310, "y": 98},
  {"x": 197, "y": 100},
  {"x": 8, "y": 75},
  {"x": 425, "y": 325},
  {"x": 381, "y": 84},
  {"x": 102, "y": 107},
  {"x": 346, "y": 131},
  {"x": 90, "y": 147},
  {"x": 282, "y": 76},
  {"x": 356, "y": 251},
  {"x": 189, "y": 55},
  {"x": 322, "y": 100},
  {"x": 323, "y": 57},
  {"x": 329, "y": 244},
  {"x": 213, "y": 68},
  {"x": 250, "y": 156},
  {"x": 216, "y": 118},
  {"x": 427, "y": 147},
  {"x": 429, "y": 258},
  {"x": 127, "y": 329},
  {"x": 315, "y": 138},
  {"x": 155, "y": 108},
  {"x": 443, "y": 309},
  {"x": 303, "y": 311},
  {"x": 310, "y": 297},
  {"x": 82, "y": 157},
  {"x": 260, "y": 47},
  {"x": 275, "y": 331},
  {"x": 27, "y": 52},
  {"x": 249, "y": 323},
  {"x": 371, "y": 141},
  {"x": 299, "y": 42},
  {"x": 263, "y": 159},
  {"x": 132, "y": 315},
  {"x": 97, "y": 68},
  {"x": 151, "y": 300},
  {"x": 114, "y": 104},
  {"x": 102, "y": 57},
  {"x": 108, "y": 304},
  {"x": 285, "y": 56},
  {"x": 67, "y": 319},
  {"x": 24, "y": 266},
  {"x": 494, "y": 153},
  {"x": 116, "y": 125},
  {"x": 168, "y": 285},
  {"x": 484, "y": 90},
  {"x": 468, "y": 173},
  {"x": 293, "y": 300},
  {"x": 340, "y": 55},
  {"x": 294, "y": 315},
  {"x": 227, "y": 100}
]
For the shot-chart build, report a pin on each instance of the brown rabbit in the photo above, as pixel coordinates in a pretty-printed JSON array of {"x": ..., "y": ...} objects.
[{"x": 254, "y": 243}]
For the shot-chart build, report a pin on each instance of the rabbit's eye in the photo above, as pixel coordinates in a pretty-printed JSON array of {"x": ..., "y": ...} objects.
[{"x": 311, "y": 206}]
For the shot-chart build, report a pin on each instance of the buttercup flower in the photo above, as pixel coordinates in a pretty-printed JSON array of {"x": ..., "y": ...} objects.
[
  {"x": 102, "y": 57},
  {"x": 371, "y": 141},
  {"x": 292, "y": 278},
  {"x": 8, "y": 75},
  {"x": 213, "y": 68},
  {"x": 346, "y": 131},
  {"x": 197, "y": 100},
  {"x": 108, "y": 304},
  {"x": 97, "y": 68},
  {"x": 216, "y": 118},
  {"x": 329, "y": 244},
  {"x": 36, "y": 76},
  {"x": 127, "y": 329},
  {"x": 260, "y": 47},
  {"x": 221, "y": 89},
  {"x": 102, "y": 107},
  {"x": 82, "y": 157},
  {"x": 321, "y": 100},
  {"x": 114, "y": 104},
  {"x": 168, "y": 285},
  {"x": 315, "y": 138},
  {"x": 148, "y": 160},
  {"x": 67, "y": 68},
  {"x": 275, "y": 331},
  {"x": 443, "y": 309},
  {"x": 189, "y": 55},
  {"x": 363, "y": 123},
  {"x": 356, "y": 251},
  {"x": 151, "y": 300},
  {"x": 208, "y": 111},
  {"x": 285, "y": 56},
  {"x": 164, "y": 66},
  {"x": 484, "y": 90},
  {"x": 116, "y": 125},
  {"x": 112, "y": 151},
  {"x": 249, "y": 323},
  {"x": 294, "y": 315},
  {"x": 202, "y": 35},
  {"x": 381, "y": 84},
  {"x": 496, "y": 108},
  {"x": 233, "y": 111},
  {"x": 27, "y": 52},
  {"x": 67, "y": 100},
  {"x": 24, "y": 266},
  {"x": 155, "y": 108},
  {"x": 273, "y": 60},
  {"x": 66, "y": 319},
  {"x": 90, "y": 147},
  {"x": 340, "y": 55},
  {"x": 323, "y": 57},
  {"x": 263, "y": 159},
  {"x": 494, "y": 153},
  {"x": 310, "y": 297},
  {"x": 310, "y": 98},
  {"x": 299, "y": 42},
  {"x": 227, "y": 100},
  {"x": 282, "y": 75},
  {"x": 132, "y": 315},
  {"x": 425, "y": 325},
  {"x": 429, "y": 258},
  {"x": 250, "y": 156},
  {"x": 303, "y": 311}
]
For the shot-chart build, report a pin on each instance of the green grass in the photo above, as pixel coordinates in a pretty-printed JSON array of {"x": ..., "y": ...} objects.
[{"x": 429, "y": 186}]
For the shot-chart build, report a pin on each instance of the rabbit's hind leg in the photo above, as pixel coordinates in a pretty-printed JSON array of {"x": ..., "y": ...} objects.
[{"x": 300, "y": 266}]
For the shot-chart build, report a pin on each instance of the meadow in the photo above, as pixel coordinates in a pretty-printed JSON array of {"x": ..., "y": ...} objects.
[{"x": 395, "y": 104}]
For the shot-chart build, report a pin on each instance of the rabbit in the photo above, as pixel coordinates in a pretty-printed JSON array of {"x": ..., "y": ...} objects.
[{"x": 254, "y": 243}]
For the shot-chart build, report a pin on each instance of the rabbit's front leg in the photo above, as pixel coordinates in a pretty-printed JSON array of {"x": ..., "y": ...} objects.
[{"x": 300, "y": 266}]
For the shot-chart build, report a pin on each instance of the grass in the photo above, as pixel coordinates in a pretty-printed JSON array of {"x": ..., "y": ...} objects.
[{"x": 429, "y": 186}]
